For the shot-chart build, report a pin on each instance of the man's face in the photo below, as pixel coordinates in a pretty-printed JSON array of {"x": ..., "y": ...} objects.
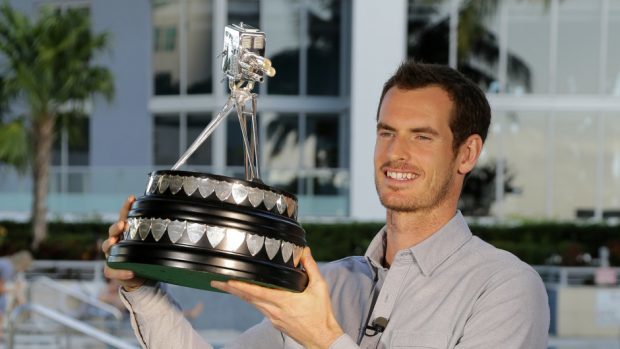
[{"x": 415, "y": 164}]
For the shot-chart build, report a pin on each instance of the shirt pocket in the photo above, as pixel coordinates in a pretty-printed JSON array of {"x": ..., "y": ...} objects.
[{"x": 429, "y": 340}]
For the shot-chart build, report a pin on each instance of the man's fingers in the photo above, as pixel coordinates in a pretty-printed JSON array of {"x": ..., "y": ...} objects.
[
  {"x": 310, "y": 265},
  {"x": 124, "y": 212},
  {"x": 118, "y": 274},
  {"x": 107, "y": 244},
  {"x": 116, "y": 228}
]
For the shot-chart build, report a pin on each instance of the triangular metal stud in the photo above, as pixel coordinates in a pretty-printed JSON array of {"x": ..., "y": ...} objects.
[
  {"x": 281, "y": 204},
  {"x": 215, "y": 235},
  {"x": 164, "y": 182},
  {"x": 133, "y": 227},
  {"x": 290, "y": 207},
  {"x": 287, "y": 251},
  {"x": 195, "y": 231},
  {"x": 272, "y": 246},
  {"x": 190, "y": 184},
  {"x": 234, "y": 239},
  {"x": 223, "y": 190},
  {"x": 255, "y": 243},
  {"x": 151, "y": 188},
  {"x": 175, "y": 230},
  {"x": 255, "y": 196},
  {"x": 270, "y": 199},
  {"x": 144, "y": 227},
  {"x": 239, "y": 192},
  {"x": 158, "y": 228},
  {"x": 297, "y": 253},
  {"x": 206, "y": 186},
  {"x": 176, "y": 183}
]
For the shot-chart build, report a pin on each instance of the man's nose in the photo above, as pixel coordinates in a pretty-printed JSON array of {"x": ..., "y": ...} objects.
[{"x": 399, "y": 149}]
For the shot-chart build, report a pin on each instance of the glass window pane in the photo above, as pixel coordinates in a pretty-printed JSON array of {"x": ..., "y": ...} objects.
[
  {"x": 245, "y": 11},
  {"x": 195, "y": 124},
  {"x": 281, "y": 144},
  {"x": 79, "y": 142},
  {"x": 574, "y": 186},
  {"x": 527, "y": 20},
  {"x": 611, "y": 160},
  {"x": 324, "y": 48},
  {"x": 579, "y": 43},
  {"x": 166, "y": 47},
  {"x": 525, "y": 162},
  {"x": 234, "y": 143},
  {"x": 166, "y": 139},
  {"x": 281, "y": 25},
  {"x": 284, "y": 179},
  {"x": 478, "y": 43},
  {"x": 613, "y": 58},
  {"x": 321, "y": 142},
  {"x": 428, "y": 31},
  {"x": 200, "y": 47}
]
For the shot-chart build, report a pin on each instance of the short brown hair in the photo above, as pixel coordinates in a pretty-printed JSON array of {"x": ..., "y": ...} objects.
[{"x": 471, "y": 113}]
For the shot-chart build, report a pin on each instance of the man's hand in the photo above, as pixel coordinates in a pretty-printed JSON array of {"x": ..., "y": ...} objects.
[
  {"x": 126, "y": 278},
  {"x": 307, "y": 317}
]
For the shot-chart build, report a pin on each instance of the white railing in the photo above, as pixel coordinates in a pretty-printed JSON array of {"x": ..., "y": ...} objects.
[
  {"x": 67, "y": 269},
  {"x": 97, "y": 192},
  {"x": 63, "y": 320},
  {"x": 57, "y": 286},
  {"x": 567, "y": 276}
]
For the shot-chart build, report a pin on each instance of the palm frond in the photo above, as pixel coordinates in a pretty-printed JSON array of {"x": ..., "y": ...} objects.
[{"x": 14, "y": 144}]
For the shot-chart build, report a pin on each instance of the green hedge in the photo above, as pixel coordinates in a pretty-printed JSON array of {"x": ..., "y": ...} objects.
[{"x": 532, "y": 242}]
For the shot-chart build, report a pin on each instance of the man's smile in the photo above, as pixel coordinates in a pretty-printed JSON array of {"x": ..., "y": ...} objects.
[{"x": 400, "y": 175}]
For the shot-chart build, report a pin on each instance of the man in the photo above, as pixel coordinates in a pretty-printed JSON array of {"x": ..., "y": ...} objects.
[
  {"x": 425, "y": 281},
  {"x": 11, "y": 286}
]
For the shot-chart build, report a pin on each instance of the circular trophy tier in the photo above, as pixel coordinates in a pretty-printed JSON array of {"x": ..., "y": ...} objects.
[{"x": 190, "y": 228}]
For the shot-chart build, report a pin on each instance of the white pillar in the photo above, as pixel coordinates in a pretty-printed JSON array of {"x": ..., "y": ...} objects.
[{"x": 378, "y": 46}]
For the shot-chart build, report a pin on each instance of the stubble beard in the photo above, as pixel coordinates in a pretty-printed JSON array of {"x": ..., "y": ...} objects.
[{"x": 412, "y": 204}]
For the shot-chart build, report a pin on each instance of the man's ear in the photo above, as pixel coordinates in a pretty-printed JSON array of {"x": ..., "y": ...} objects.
[{"x": 469, "y": 152}]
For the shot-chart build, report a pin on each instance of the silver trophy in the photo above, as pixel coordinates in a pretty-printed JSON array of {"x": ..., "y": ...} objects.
[
  {"x": 244, "y": 64},
  {"x": 190, "y": 228}
]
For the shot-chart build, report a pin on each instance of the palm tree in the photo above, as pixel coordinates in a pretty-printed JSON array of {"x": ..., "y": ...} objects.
[
  {"x": 477, "y": 46},
  {"x": 49, "y": 67}
]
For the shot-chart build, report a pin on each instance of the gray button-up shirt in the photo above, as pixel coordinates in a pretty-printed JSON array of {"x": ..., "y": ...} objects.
[{"x": 452, "y": 290}]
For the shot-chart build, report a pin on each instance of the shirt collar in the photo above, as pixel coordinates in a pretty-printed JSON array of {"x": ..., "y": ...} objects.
[
  {"x": 431, "y": 252},
  {"x": 376, "y": 250}
]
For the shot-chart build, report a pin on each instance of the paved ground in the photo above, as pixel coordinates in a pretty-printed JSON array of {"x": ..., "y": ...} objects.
[{"x": 223, "y": 318}]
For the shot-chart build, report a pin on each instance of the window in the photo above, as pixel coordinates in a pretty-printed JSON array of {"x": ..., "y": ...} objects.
[
  {"x": 546, "y": 96},
  {"x": 195, "y": 124},
  {"x": 70, "y": 154},
  {"x": 200, "y": 53},
  {"x": 302, "y": 111},
  {"x": 166, "y": 139},
  {"x": 174, "y": 133},
  {"x": 72, "y": 143},
  {"x": 166, "y": 49},
  {"x": 165, "y": 39}
]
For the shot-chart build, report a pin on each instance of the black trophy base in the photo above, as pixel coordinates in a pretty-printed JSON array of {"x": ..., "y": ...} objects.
[{"x": 194, "y": 268}]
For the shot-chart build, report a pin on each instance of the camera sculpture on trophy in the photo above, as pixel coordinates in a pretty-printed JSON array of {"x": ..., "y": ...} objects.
[{"x": 190, "y": 228}]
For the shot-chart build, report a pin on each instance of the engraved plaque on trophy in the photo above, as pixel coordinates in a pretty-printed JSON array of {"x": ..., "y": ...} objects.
[{"x": 190, "y": 228}]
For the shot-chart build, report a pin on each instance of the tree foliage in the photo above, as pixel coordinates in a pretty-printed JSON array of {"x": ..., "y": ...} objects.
[{"x": 49, "y": 66}]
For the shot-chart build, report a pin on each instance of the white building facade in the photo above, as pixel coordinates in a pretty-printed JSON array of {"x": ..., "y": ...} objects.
[{"x": 551, "y": 70}]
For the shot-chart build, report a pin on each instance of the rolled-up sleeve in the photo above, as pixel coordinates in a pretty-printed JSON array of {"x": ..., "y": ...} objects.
[{"x": 158, "y": 322}]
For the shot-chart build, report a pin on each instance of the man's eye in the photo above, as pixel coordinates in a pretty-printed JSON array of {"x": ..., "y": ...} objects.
[
  {"x": 423, "y": 137},
  {"x": 385, "y": 134}
]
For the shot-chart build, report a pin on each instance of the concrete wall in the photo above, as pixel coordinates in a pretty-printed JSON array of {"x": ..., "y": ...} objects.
[
  {"x": 124, "y": 126},
  {"x": 587, "y": 311},
  {"x": 375, "y": 55}
]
